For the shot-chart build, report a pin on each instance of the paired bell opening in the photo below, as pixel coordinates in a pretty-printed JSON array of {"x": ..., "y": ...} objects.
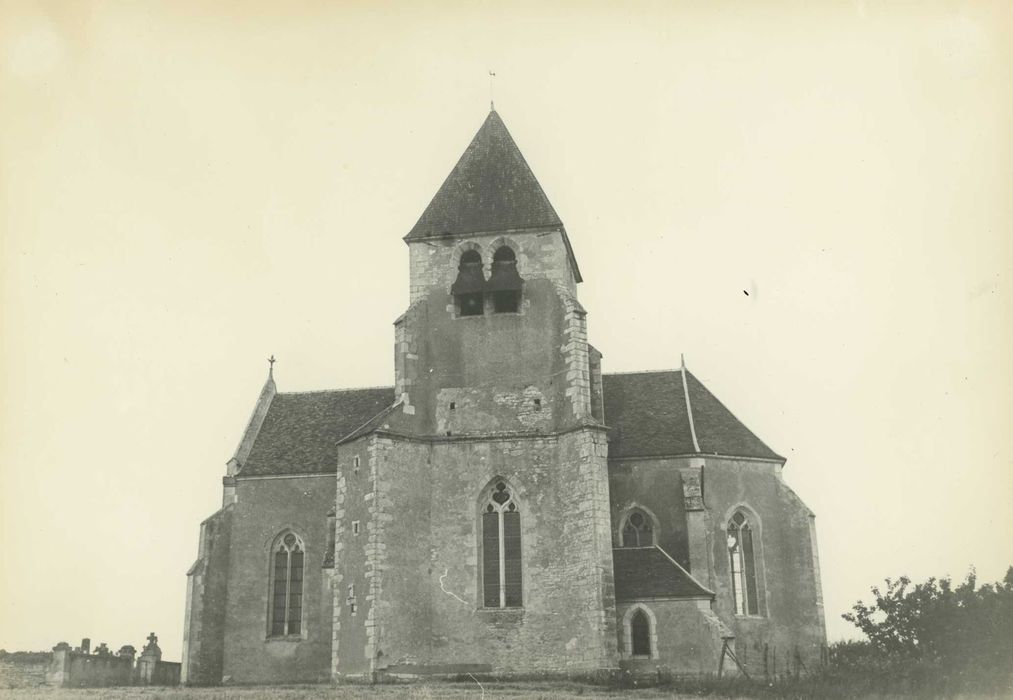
[{"x": 503, "y": 286}]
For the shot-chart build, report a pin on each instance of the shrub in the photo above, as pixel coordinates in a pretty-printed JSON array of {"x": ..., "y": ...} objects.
[{"x": 948, "y": 637}]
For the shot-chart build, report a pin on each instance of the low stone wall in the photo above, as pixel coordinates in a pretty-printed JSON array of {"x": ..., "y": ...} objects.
[
  {"x": 78, "y": 668},
  {"x": 74, "y": 669},
  {"x": 166, "y": 673},
  {"x": 24, "y": 669}
]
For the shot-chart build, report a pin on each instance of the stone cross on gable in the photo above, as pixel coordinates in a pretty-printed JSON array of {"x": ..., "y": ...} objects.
[{"x": 152, "y": 639}]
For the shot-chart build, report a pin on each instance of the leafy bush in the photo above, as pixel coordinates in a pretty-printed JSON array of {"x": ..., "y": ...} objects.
[{"x": 948, "y": 637}]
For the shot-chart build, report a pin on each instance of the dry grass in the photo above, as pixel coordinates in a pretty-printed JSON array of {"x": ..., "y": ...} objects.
[
  {"x": 415, "y": 691},
  {"x": 729, "y": 689}
]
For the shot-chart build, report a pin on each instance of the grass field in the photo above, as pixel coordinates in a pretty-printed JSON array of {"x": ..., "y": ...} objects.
[
  {"x": 861, "y": 687},
  {"x": 420, "y": 691},
  {"x": 456, "y": 691}
]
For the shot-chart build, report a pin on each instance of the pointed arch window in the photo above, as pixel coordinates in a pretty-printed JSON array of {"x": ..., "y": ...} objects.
[
  {"x": 639, "y": 638},
  {"x": 742, "y": 565},
  {"x": 469, "y": 287},
  {"x": 640, "y": 634},
  {"x": 287, "y": 556},
  {"x": 501, "y": 548},
  {"x": 638, "y": 530}
]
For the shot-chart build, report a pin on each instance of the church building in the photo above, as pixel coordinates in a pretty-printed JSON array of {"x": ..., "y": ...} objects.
[{"x": 506, "y": 506}]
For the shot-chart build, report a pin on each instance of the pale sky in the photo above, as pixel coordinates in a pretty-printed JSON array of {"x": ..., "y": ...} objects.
[{"x": 187, "y": 188}]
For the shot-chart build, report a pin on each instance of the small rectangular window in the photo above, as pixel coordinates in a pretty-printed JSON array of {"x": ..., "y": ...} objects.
[
  {"x": 453, "y": 405},
  {"x": 350, "y": 600},
  {"x": 355, "y": 527},
  {"x": 538, "y": 404},
  {"x": 355, "y": 464}
]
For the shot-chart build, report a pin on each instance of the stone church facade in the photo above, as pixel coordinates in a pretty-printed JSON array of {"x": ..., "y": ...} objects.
[{"x": 505, "y": 506}]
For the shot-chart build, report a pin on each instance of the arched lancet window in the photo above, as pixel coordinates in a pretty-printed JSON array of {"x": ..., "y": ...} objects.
[
  {"x": 637, "y": 530},
  {"x": 504, "y": 283},
  {"x": 286, "y": 585},
  {"x": 640, "y": 634},
  {"x": 501, "y": 548},
  {"x": 469, "y": 286},
  {"x": 742, "y": 565}
]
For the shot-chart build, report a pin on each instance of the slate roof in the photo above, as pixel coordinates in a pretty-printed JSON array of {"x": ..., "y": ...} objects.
[
  {"x": 301, "y": 431},
  {"x": 647, "y": 572},
  {"x": 490, "y": 189},
  {"x": 646, "y": 414}
]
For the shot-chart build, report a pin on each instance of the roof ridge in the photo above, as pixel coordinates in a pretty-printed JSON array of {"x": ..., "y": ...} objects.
[
  {"x": 334, "y": 391},
  {"x": 689, "y": 406},
  {"x": 732, "y": 414},
  {"x": 642, "y": 371}
]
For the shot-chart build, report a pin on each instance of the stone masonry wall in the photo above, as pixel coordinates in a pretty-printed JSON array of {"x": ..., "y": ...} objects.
[
  {"x": 24, "y": 670},
  {"x": 656, "y": 486},
  {"x": 422, "y": 557},
  {"x": 575, "y": 355},
  {"x": 264, "y": 508},
  {"x": 462, "y": 410},
  {"x": 433, "y": 263},
  {"x": 597, "y": 394},
  {"x": 790, "y": 615},
  {"x": 353, "y": 524},
  {"x": 686, "y": 637},
  {"x": 206, "y": 595},
  {"x": 497, "y": 364}
]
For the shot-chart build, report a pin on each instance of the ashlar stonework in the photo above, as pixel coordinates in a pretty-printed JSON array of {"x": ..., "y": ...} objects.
[{"x": 506, "y": 506}]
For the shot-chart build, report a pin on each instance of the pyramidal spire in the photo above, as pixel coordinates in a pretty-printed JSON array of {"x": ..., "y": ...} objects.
[{"x": 490, "y": 189}]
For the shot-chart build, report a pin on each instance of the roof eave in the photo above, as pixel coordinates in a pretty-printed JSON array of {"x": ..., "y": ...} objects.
[{"x": 777, "y": 459}]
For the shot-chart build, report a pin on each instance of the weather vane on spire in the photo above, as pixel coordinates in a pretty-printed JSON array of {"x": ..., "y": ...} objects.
[
  {"x": 492, "y": 105},
  {"x": 270, "y": 363}
]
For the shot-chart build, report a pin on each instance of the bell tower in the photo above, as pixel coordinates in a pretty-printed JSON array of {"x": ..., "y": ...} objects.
[{"x": 494, "y": 339}]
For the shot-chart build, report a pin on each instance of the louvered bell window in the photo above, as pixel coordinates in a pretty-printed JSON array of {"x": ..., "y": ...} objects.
[
  {"x": 505, "y": 283},
  {"x": 469, "y": 287}
]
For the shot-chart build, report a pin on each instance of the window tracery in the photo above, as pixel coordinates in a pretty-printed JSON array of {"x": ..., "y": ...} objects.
[
  {"x": 501, "y": 549},
  {"x": 637, "y": 530},
  {"x": 286, "y": 585},
  {"x": 742, "y": 565}
]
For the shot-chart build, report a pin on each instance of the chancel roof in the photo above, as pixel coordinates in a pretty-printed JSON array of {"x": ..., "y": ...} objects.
[
  {"x": 645, "y": 411},
  {"x": 648, "y": 417},
  {"x": 647, "y": 572},
  {"x": 301, "y": 431}
]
